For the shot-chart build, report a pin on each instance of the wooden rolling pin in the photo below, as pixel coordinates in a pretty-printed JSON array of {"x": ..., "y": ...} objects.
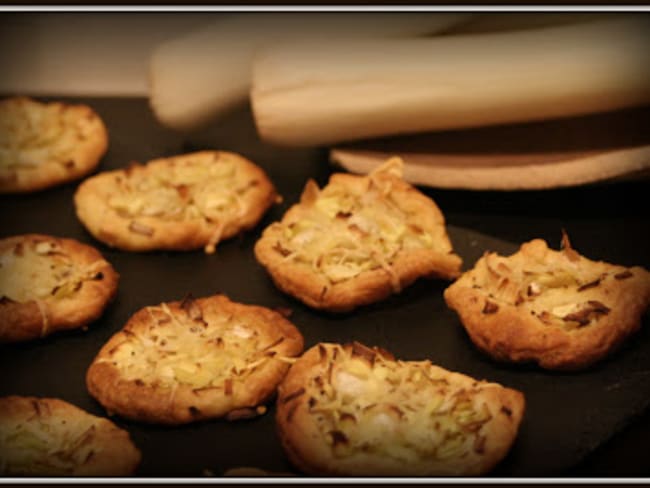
[
  {"x": 196, "y": 77},
  {"x": 321, "y": 94}
]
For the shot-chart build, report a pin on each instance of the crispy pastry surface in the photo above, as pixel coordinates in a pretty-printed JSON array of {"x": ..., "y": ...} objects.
[
  {"x": 556, "y": 308},
  {"x": 178, "y": 203},
  {"x": 49, "y": 284},
  {"x": 194, "y": 359},
  {"x": 354, "y": 410},
  {"x": 50, "y": 437},
  {"x": 356, "y": 241},
  {"x": 46, "y": 144}
]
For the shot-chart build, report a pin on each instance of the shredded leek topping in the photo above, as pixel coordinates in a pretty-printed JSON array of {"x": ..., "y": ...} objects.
[
  {"x": 407, "y": 411},
  {"x": 44, "y": 444},
  {"x": 41, "y": 270},
  {"x": 180, "y": 349},
  {"x": 560, "y": 288},
  {"x": 33, "y": 133},
  {"x": 191, "y": 188},
  {"x": 344, "y": 231}
]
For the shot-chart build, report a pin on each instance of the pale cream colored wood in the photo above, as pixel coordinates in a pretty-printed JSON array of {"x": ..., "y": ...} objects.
[
  {"x": 203, "y": 74},
  {"x": 428, "y": 171},
  {"x": 315, "y": 94},
  {"x": 551, "y": 154}
]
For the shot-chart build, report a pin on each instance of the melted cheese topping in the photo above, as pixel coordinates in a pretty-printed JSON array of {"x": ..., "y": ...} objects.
[
  {"x": 408, "y": 411},
  {"x": 561, "y": 289},
  {"x": 40, "y": 270},
  {"x": 42, "y": 443},
  {"x": 32, "y": 133},
  {"x": 342, "y": 233},
  {"x": 177, "y": 349},
  {"x": 183, "y": 189}
]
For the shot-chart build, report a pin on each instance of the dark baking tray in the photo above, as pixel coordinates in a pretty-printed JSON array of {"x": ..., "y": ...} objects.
[{"x": 568, "y": 417}]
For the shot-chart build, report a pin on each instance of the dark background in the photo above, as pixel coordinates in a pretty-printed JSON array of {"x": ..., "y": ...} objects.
[{"x": 572, "y": 420}]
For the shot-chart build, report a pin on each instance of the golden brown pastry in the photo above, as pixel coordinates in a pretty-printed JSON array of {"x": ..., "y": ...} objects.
[
  {"x": 556, "y": 308},
  {"x": 49, "y": 284},
  {"x": 179, "y": 203},
  {"x": 50, "y": 437},
  {"x": 46, "y": 144},
  {"x": 191, "y": 360},
  {"x": 356, "y": 241},
  {"x": 354, "y": 410}
]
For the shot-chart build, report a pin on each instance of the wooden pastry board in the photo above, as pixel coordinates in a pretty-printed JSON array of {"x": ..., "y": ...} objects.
[{"x": 550, "y": 154}]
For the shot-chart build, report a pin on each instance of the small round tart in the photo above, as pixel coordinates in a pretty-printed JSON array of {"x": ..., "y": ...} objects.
[
  {"x": 49, "y": 284},
  {"x": 179, "y": 203},
  {"x": 46, "y": 144},
  {"x": 556, "y": 308},
  {"x": 192, "y": 360},
  {"x": 357, "y": 240},
  {"x": 353, "y": 410},
  {"x": 50, "y": 437}
]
